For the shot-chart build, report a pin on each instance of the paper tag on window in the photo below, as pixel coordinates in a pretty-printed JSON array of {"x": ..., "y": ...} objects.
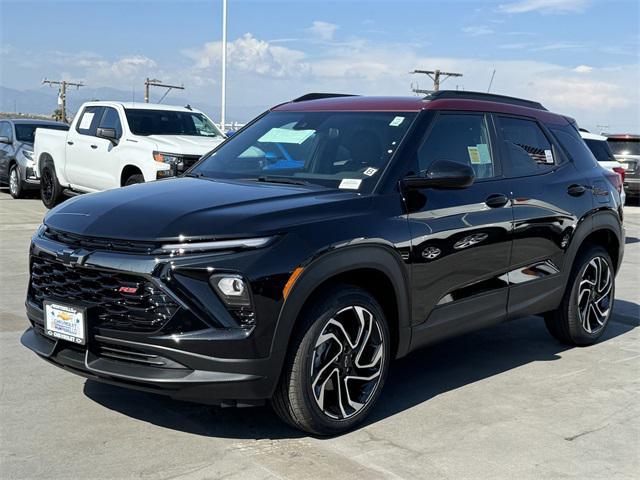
[
  {"x": 286, "y": 135},
  {"x": 474, "y": 155},
  {"x": 85, "y": 123},
  {"x": 483, "y": 153},
  {"x": 350, "y": 184},
  {"x": 370, "y": 171},
  {"x": 548, "y": 155},
  {"x": 396, "y": 121}
]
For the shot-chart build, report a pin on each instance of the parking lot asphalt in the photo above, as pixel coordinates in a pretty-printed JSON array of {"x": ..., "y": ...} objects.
[{"x": 507, "y": 402}]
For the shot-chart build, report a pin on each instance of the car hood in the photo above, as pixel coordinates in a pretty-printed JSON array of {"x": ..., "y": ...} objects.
[
  {"x": 185, "y": 144},
  {"x": 194, "y": 207}
]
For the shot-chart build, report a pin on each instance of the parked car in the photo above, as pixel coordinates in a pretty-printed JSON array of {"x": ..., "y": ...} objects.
[
  {"x": 113, "y": 144},
  {"x": 328, "y": 237},
  {"x": 600, "y": 149},
  {"x": 626, "y": 149},
  {"x": 17, "y": 166}
]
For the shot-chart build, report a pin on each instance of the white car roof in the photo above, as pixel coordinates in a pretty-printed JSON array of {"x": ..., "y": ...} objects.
[
  {"x": 143, "y": 106},
  {"x": 593, "y": 136}
]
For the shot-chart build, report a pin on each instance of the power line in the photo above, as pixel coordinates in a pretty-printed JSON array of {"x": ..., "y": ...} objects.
[
  {"x": 62, "y": 94},
  {"x": 437, "y": 76},
  {"x": 158, "y": 83}
]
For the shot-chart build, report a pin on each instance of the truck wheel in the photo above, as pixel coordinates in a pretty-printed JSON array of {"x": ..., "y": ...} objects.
[
  {"x": 15, "y": 184},
  {"x": 133, "y": 179},
  {"x": 337, "y": 363},
  {"x": 586, "y": 306},
  {"x": 50, "y": 188}
]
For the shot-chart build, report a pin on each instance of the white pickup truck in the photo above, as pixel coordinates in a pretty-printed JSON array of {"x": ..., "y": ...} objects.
[{"x": 113, "y": 144}]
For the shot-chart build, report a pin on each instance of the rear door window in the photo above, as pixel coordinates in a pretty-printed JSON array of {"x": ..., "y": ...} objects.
[
  {"x": 525, "y": 147},
  {"x": 89, "y": 119}
]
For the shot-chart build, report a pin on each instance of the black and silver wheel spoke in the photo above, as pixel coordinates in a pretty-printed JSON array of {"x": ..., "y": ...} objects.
[
  {"x": 594, "y": 295},
  {"x": 13, "y": 181},
  {"x": 347, "y": 362}
]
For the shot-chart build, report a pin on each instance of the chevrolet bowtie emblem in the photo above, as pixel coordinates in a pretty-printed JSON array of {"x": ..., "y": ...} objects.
[{"x": 71, "y": 257}]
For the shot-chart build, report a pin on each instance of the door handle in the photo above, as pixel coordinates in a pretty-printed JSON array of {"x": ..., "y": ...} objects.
[
  {"x": 69, "y": 142},
  {"x": 496, "y": 200},
  {"x": 94, "y": 146},
  {"x": 576, "y": 190}
]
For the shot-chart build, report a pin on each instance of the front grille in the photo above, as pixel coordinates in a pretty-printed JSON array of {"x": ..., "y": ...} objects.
[
  {"x": 145, "y": 309},
  {"x": 186, "y": 162},
  {"x": 73, "y": 240}
]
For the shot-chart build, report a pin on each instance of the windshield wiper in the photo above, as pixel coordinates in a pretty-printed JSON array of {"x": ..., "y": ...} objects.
[{"x": 285, "y": 180}]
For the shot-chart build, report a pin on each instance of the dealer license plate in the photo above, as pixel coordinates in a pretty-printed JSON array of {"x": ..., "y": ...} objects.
[{"x": 65, "y": 322}]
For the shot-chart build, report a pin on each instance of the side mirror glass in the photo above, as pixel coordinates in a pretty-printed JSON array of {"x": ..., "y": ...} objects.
[
  {"x": 5, "y": 140},
  {"x": 444, "y": 174},
  {"x": 108, "y": 134}
]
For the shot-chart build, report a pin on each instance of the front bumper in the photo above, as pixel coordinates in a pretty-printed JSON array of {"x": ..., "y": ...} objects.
[{"x": 198, "y": 355}]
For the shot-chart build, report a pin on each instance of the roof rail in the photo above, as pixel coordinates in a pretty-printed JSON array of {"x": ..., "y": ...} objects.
[
  {"x": 318, "y": 96},
  {"x": 487, "y": 97}
]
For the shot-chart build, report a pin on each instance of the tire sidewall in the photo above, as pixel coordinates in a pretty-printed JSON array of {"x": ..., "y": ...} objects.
[
  {"x": 56, "y": 189},
  {"x": 577, "y": 332},
  {"x": 15, "y": 171},
  {"x": 351, "y": 297}
]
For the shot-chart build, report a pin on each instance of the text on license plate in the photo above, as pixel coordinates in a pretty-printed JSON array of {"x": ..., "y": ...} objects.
[{"x": 65, "y": 322}]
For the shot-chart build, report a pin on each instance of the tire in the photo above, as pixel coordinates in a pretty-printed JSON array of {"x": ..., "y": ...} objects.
[
  {"x": 15, "y": 184},
  {"x": 319, "y": 410},
  {"x": 51, "y": 192},
  {"x": 133, "y": 179},
  {"x": 586, "y": 307}
]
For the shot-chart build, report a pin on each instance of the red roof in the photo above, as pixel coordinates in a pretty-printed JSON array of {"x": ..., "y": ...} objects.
[{"x": 414, "y": 104}]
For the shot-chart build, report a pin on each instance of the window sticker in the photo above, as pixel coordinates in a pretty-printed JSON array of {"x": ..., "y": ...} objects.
[
  {"x": 483, "y": 153},
  {"x": 87, "y": 118},
  {"x": 396, "y": 121},
  {"x": 548, "y": 155},
  {"x": 369, "y": 172},
  {"x": 350, "y": 184},
  {"x": 286, "y": 135},
  {"x": 474, "y": 155}
]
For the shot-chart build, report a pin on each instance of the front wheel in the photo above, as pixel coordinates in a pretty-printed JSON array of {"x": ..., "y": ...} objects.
[
  {"x": 586, "y": 306},
  {"x": 15, "y": 184},
  {"x": 337, "y": 364},
  {"x": 133, "y": 179},
  {"x": 51, "y": 191}
]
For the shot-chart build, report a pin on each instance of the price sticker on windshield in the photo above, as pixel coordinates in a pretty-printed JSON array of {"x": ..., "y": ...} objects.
[{"x": 350, "y": 184}]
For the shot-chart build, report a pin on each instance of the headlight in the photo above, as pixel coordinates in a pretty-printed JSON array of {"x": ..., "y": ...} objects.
[
  {"x": 236, "y": 244},
  {"x": 28, "y": 154},
  {"x": 169, "y": 158}
]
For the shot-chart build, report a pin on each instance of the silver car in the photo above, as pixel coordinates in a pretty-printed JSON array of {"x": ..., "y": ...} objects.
[{"x": 17, "y": 165}]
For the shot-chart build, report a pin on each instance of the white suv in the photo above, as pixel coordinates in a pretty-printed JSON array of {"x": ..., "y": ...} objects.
[{"x": 600, "y": 149}]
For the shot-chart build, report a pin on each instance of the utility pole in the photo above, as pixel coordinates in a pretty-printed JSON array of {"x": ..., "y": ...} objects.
[
  {"x": 158, "y": 83},
  {"x": 223, "y": 84},
  {"x": 435, "y": 75},
  {"x": 62, "y": 95}
]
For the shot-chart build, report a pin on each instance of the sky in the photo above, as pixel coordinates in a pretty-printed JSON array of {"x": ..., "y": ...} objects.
[{"x": 578, "y": 57}]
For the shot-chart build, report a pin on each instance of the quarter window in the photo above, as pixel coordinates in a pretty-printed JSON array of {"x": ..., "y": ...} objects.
[
  {"x": 461, "y": 138},
  {"x": 526, "y": 148},
  {"x": 88, "y": 123},
  {"x": 5, "y": 130}
]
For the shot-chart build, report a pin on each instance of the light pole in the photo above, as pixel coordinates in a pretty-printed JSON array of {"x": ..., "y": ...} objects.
[{"x": 223, "y": 103}]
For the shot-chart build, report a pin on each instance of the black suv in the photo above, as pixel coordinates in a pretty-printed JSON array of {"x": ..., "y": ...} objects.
[{"x": 329, "y": 236}]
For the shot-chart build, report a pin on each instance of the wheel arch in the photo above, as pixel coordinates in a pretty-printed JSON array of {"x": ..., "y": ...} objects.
[
  {"x": 376, "y": 268},
  {"x": 127, "y": 171}
]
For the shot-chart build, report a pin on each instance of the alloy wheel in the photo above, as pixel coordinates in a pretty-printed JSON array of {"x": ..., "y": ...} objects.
[
  {"x": 347, "y": 362},
  {"x": 595, "y": 293},
  {"x": 13, "y": 182},
  {"x": 47, "y": 185}
]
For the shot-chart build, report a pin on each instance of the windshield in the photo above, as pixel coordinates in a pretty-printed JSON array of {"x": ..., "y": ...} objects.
[
  {"x": 26, "y": 132},
  {"x": 346, "y": 150},
  {"x": 624, "y": 147},
  {"x": 167, "y": 122},
  {"x": 600, "y": 149}
]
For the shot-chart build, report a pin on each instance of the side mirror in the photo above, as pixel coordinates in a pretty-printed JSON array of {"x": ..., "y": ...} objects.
[
  {"x": 443, "y": 174},
  {"x": 5, "y": 140},
  {"x": 108, "y": 134}
]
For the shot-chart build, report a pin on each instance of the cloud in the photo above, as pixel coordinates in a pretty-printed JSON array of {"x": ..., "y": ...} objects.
[
  {"x": 544, "y": 6},
  {"x": 558, "y": 46},
  {"x": 249, "y": 54},
  {"x": 583, "y": 69},
  {"x": 323, "y": 30},
  {"x": 477, "y": 31}
]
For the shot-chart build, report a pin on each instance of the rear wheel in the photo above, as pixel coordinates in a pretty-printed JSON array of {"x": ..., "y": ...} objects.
[
  {"x": 51, "y": 191},
  {"x": 586, "y": 307},
  {"x": 15, "y": 184},
  {"x": 133, "y": 179},
  {"x": 337, "y": 364}
]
